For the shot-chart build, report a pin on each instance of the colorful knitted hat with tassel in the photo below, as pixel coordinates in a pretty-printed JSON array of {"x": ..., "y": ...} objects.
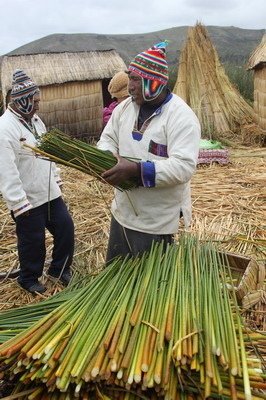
[
  {"x": 22, "y": 86},
  {"x": 22, "y": 92},
  {"x": 151, "y": 64}
]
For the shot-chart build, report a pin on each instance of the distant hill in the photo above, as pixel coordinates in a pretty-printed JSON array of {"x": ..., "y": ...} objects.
[{"x": 234, "y": 45}]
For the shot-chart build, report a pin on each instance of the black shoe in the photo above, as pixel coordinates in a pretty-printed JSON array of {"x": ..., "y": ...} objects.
[
  {"x": 34, "y": 288},
  {"x": 65, "y": 278}
]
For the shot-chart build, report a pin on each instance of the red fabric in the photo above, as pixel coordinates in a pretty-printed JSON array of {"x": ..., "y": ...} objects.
[
  {"x": 107, "y": 112},
  {"x": 208, "y": 156}
]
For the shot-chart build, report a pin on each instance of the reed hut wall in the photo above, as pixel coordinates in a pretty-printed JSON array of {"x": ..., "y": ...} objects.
[
  {"x": 71, "y": 87},
  {"x": 260, "y": 96},
  {"x": 73, "y": 107},
  {"x": 257, "y": 62}
]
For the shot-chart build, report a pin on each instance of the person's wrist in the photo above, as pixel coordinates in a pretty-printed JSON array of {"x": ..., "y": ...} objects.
[{"x": 135, "y": 169}]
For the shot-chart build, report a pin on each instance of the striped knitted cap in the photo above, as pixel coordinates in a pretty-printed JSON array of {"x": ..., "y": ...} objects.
[
  {"x": 151, "y": 64},
  {"x": 22, "y": 86}
]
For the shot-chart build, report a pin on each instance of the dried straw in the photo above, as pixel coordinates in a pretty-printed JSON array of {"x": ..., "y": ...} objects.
[{"x": 228, "y": 207}]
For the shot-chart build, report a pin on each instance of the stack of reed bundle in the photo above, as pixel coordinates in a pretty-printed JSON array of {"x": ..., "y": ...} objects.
[
  {"x": 252, "y": 293},
  {"x": 252, "y": 279},
  {"x": 204, "y": 85},
  {"x": 254, "y": 310}
]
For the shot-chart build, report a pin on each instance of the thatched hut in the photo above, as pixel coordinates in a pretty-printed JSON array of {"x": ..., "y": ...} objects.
[
  {"x": 73, "y": 86},
  {"x": 257, "y": 62},
  {"x": 204, "y": 85}
]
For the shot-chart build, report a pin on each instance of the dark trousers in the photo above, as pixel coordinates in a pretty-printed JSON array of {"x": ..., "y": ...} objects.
[
  {"x": 30, "y": 230},
  {"x": 124, "y": 241}
]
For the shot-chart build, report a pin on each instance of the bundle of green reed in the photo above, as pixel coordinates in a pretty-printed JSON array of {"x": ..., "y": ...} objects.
[
  {"x": 16, "y": 320},
  {"x": 61, "y": 148},
  {"x": 164, "y": 324}
]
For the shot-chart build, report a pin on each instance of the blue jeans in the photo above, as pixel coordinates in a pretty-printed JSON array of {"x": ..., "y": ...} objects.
[{"x": 30, "y": 230}]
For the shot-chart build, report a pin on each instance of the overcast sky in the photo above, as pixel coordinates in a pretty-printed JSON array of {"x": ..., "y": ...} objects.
[{"x": 23, "y": 21}]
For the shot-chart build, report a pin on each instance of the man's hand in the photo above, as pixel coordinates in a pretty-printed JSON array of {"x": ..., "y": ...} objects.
[{"x": 121, "y": 172}]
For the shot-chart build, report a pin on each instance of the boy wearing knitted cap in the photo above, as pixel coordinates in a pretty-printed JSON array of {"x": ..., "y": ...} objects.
[
  {"x": 160, "y": 130},
  {"x": 31, "y": 188},
  {"x": 118, "y": 89}
]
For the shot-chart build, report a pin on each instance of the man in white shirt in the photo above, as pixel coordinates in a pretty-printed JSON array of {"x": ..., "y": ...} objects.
[
  {"x": 156, "y": 136},
  {"x": 31, "y": 188}
]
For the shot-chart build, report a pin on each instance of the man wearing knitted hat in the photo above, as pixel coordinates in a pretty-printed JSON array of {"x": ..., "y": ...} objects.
[
  {"x": 118, "y": 89},
  {"x": 157, "y": 128},
  {"x": 31, "y": 188}
]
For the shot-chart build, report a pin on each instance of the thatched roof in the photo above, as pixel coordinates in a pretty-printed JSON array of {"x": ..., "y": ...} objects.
[
  {"x": 259, "y": 54},
  {"x": 56, "y": 68}
]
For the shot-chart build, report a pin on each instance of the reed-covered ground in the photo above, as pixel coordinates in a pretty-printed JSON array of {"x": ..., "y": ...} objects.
[{"x": 229, "y": 206}]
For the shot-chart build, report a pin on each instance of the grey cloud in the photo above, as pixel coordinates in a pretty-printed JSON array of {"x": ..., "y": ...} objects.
[{"x": 26, "y": 20}]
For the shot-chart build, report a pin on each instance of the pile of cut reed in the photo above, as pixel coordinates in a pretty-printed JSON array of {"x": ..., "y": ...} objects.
[
  {"x": 60, "y": 147},
  {"x": 17, "y": 320},
  {"x": 163, "y": 324},
  {"x": 204, "y": 85}
]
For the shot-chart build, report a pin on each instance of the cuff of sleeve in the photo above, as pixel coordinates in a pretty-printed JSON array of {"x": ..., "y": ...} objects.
[
  {"x": 148, "y": 173},
  {"x": 21, "y": 207}
]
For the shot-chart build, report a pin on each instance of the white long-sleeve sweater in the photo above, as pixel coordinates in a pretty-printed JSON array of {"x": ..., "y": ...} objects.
[
  {"x": 26, "y": 181},
  {"x": 170, "y": 144}
]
